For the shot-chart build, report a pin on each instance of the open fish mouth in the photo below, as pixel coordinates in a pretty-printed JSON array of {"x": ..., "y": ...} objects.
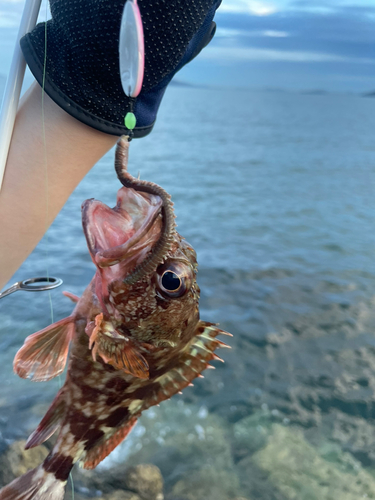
[{"x": 125, "y": 234}]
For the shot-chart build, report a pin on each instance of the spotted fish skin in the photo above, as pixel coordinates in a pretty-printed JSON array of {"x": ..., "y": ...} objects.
[
  {"x": 102, "y": 404},
  {"x": 99, "y": 405},
  {"x": 133, "y": 342}
]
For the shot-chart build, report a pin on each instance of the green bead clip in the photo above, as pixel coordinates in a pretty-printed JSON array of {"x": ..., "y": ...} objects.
[{"x": 130, "y": 121}]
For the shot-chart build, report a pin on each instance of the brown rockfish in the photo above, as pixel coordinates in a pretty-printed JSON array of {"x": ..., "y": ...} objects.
[{"x": 135, "y": 335}]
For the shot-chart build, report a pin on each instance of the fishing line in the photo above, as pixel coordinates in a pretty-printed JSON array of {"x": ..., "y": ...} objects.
[
  {"x": 47, "y": 186},
  {"x": 45, "y": 160}
]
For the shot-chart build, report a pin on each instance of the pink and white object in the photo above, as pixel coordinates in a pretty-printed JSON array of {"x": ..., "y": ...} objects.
[{"x": 131, "y": 49}]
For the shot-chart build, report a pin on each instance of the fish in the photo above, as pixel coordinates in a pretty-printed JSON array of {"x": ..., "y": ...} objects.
[{"x": 133, "y": 340}]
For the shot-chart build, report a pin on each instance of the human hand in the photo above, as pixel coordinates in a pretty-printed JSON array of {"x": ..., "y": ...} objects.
[{"x": 82, "y": 69}]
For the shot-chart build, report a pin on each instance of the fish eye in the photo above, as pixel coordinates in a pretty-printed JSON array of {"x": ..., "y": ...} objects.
[
  {"x": 174, "y": 278},
  {"x": 171, "y": 282}
]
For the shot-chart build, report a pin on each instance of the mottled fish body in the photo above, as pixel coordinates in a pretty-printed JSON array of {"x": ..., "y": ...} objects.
[{"x": 135, "y": 335}]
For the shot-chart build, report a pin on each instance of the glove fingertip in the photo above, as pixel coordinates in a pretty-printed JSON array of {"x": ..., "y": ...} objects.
[{"x": 204, "y": 41}]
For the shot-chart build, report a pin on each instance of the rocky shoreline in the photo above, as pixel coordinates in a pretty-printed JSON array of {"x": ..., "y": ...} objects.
[
  {"x": 289, "y": 416},
  {"x": 201, "y": 456}
]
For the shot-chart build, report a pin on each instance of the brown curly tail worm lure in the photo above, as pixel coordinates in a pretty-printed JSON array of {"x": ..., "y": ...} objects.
[{"x": 164, "y": 244}]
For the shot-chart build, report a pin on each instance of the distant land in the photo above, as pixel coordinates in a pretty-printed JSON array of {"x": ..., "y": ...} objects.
[
  {"x": 184, "y": 84},
  {"x": 180, "y": 83},
  {"x": 312, "y": 92},
  {"x": 315, "y": 92}
]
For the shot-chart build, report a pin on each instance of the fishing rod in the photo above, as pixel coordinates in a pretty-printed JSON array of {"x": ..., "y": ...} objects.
[
  {"x": 8, "y": 113},
  {"x": 14, "y": 83}
]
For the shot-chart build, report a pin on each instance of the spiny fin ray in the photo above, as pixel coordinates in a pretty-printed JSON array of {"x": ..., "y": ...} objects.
[
  {"x": 74, "y": 298},
  {"x": 192, "y": 361}
]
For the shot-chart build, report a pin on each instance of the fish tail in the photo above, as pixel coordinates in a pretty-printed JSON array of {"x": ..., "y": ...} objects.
[{"x": 36, "y": 484}]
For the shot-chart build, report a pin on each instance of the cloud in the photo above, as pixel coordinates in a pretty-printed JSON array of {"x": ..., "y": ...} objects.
[
  {"x": 236, "y": 33},
  {"x": 331, "y": 5},
  {"x": 348, "y": 32},
  {"x": 275, "y": 34},
  {"x": 11, "y": 12},
  {"x": 228, "y": 32},
  {"x": 8, "y": 19},
  {"x": 235, "y": 54},
  {"x": 255, "y": 7},
  {"x": 296, "y": 43}
]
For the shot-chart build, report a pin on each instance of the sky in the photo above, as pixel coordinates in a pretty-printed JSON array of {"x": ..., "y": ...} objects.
[
  {"x": 293, "y": 44},
  {"x": 288, "y": 44}
]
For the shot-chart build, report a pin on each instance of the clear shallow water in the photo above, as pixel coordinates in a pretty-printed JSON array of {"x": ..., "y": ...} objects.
[{"x": 275, "y": 192}]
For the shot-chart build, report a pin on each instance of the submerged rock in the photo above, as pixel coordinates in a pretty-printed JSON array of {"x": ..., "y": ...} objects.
[
  {"x": 16, "y": 461},
  {"x": 206, "y": 484},
  {"x": 250, "y": 434},
  {"x": 115, "y": 495},
  {"x": 193, "y": 450},
  {"x": 122, "y": 495},
  {"x": 146, "y": 480},
  {"x": 299, "y": 472},
  {"x": 143, "y": 482}
]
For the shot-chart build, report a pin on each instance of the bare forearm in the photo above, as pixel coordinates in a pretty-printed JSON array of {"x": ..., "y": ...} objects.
[{"x": 69, "y": 151}]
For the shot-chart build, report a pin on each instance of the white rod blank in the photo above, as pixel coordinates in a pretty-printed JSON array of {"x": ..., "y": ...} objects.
[{"x": 14, "y": 83}]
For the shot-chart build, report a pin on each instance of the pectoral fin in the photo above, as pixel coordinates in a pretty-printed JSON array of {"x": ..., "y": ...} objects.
[
  {"x": 124, "y": 356},
  {"x": 115, "y": 349},
  {"x": 43, "y": 355}
]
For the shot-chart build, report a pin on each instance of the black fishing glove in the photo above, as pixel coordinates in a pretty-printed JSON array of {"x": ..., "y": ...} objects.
[{"x": 81, "y": 66}]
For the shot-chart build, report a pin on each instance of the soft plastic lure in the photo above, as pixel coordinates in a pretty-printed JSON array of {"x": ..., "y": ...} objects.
[{"x": 132, "y": 56}]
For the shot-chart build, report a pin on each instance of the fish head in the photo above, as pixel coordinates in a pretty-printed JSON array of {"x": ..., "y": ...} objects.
[
  {"x": 119, "y": 238},
  {"x": 161, "y": 307}
]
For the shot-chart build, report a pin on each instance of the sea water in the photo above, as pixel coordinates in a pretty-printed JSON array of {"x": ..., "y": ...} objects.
[{"x": 275, "y": 191}]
